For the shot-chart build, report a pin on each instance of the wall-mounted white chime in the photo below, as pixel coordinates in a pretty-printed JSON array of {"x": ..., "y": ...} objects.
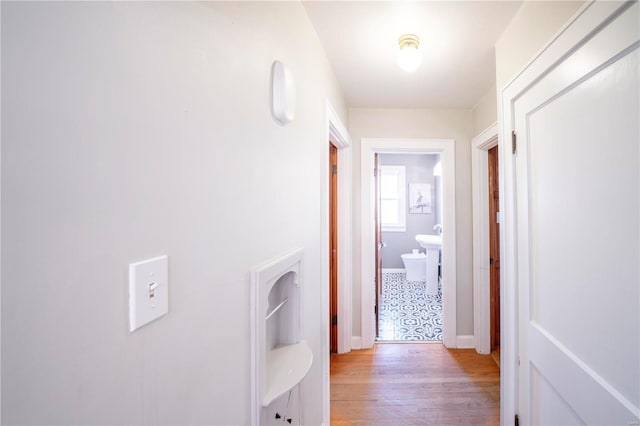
[{"x": 283, "y": 93}]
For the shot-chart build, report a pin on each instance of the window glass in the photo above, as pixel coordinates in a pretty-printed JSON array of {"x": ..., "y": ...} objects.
[
  {"x": 393, "y": 198},
  {"x": 389, "y": 212},
  {"x": 389, "y": 186}
]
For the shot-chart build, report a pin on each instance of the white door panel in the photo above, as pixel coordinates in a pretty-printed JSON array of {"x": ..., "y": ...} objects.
[
  {"x": 578, "y": 222},
  {"x": 583, "y": 207},
  {"x": 550, "y": 407}
]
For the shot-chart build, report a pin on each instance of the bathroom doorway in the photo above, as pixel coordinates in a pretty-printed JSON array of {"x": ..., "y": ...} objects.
[
  {"x": 367, "y": 293},
  {"x": 408, "y": 192}
]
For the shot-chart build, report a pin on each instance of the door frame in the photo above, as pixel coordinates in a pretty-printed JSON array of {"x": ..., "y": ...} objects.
[
  {"x": 339, "y": 137},
  {"x": 481, "y": 144},
  {"x": 336, "y": 134},
  {"x": 446, "y": 148}
]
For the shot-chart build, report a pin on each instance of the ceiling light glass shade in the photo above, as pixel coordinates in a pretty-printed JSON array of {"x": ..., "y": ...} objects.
[{"x": 409, "y": 58}]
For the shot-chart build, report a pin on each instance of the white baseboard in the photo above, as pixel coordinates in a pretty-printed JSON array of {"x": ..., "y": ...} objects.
[
  {"x": 356, "y": 342},
  {"x": 392, "y": 270},
  {"x": 465, "y": 342}
]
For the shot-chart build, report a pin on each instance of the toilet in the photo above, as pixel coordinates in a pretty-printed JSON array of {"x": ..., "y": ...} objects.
[{"x": 416, "y": 265}]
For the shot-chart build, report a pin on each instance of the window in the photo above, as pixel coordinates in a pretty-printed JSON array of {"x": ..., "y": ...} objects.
[{"x": 393, "y": 198}]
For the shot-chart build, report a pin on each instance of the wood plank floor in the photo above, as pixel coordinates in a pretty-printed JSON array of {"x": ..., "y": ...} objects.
[{"x": 414, "y": 384}]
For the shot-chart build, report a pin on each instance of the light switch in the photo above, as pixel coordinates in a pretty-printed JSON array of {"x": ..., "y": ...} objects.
[{"x": 148, "y": 291}]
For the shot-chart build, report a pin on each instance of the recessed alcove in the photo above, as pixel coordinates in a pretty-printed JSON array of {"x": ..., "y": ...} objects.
[
  {"x": 280, "y": 358},
  {"x": 280, "y": 313}
]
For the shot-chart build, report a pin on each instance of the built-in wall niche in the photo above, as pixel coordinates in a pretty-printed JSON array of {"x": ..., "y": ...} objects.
[
  {"x": 281, "y": 330},
  {"x": 280, "y": 358}
]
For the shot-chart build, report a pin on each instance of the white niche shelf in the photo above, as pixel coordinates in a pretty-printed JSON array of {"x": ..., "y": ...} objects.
[
  {"x": 286, "y": 367},
  {"x": 280, "y": 358}
]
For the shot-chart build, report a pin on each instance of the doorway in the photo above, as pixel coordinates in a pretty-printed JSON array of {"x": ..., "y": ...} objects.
[
  {"x": 494, "y": 252},
  {"x": 333, "y": 248},
  {"x": 482, "y": 219},
  {"x": 446, "y": 148},
  {"x": 408, "y": 278},
  {"x": 336, "y": 135}
]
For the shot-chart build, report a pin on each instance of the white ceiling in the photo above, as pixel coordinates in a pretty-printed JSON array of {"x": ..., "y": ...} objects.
[{"x": 456, "y": 38}]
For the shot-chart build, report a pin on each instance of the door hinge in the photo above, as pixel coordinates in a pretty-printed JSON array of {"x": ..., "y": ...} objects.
[
  {"x": 334, "y": 320},
  {"x": 334, "y": 169},
  {"x": 375, "y": 309},
  {"x": 514, "y": 143},
  {"x": 516, "y": 421}
]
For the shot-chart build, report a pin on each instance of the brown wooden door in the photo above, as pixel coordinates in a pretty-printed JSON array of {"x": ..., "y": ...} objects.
[
  {"x": 494, "y": 248},
  {"x": 333, "y": 247},
  {"x": 379, "y": 243}
]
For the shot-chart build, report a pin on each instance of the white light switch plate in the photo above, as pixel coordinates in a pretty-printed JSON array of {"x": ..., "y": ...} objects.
[{"x": 148, "y": 291}]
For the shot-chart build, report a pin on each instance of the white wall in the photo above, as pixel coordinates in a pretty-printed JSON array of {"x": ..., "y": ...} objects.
[
  {"x": 485, "y": 112},
  {"x": 425, "y": 124},
  {"x": 137, "y": 129},
  {"x": 532, "y": 27}
]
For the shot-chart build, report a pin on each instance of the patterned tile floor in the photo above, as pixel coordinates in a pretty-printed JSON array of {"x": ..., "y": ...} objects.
[{"x": 406, "y": 312}]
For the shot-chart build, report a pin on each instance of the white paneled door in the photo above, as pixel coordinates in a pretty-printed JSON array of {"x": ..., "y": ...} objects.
[{"x": 576, "y": 122}]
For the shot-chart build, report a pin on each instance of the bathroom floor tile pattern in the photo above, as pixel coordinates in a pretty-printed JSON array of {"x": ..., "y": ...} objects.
[{"x": 407, "y": 313}]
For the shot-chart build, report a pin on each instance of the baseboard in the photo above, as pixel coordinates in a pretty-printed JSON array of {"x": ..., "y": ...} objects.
[
  {"x": 465, "y": 342},
  {"x": 392, "y": 270},
  {"x": 356, "y": 342}
]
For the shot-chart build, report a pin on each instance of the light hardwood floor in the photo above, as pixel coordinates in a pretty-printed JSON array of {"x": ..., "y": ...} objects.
[{"x": 414, "y": 384}]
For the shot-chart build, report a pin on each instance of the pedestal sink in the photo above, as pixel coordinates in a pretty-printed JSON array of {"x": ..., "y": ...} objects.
[
  {"x": 432, "y": 244},
  {"x": 429, "y": 241}
]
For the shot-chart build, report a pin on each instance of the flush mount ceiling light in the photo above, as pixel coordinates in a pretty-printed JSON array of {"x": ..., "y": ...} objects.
[{"x": 409, "y": 58}]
